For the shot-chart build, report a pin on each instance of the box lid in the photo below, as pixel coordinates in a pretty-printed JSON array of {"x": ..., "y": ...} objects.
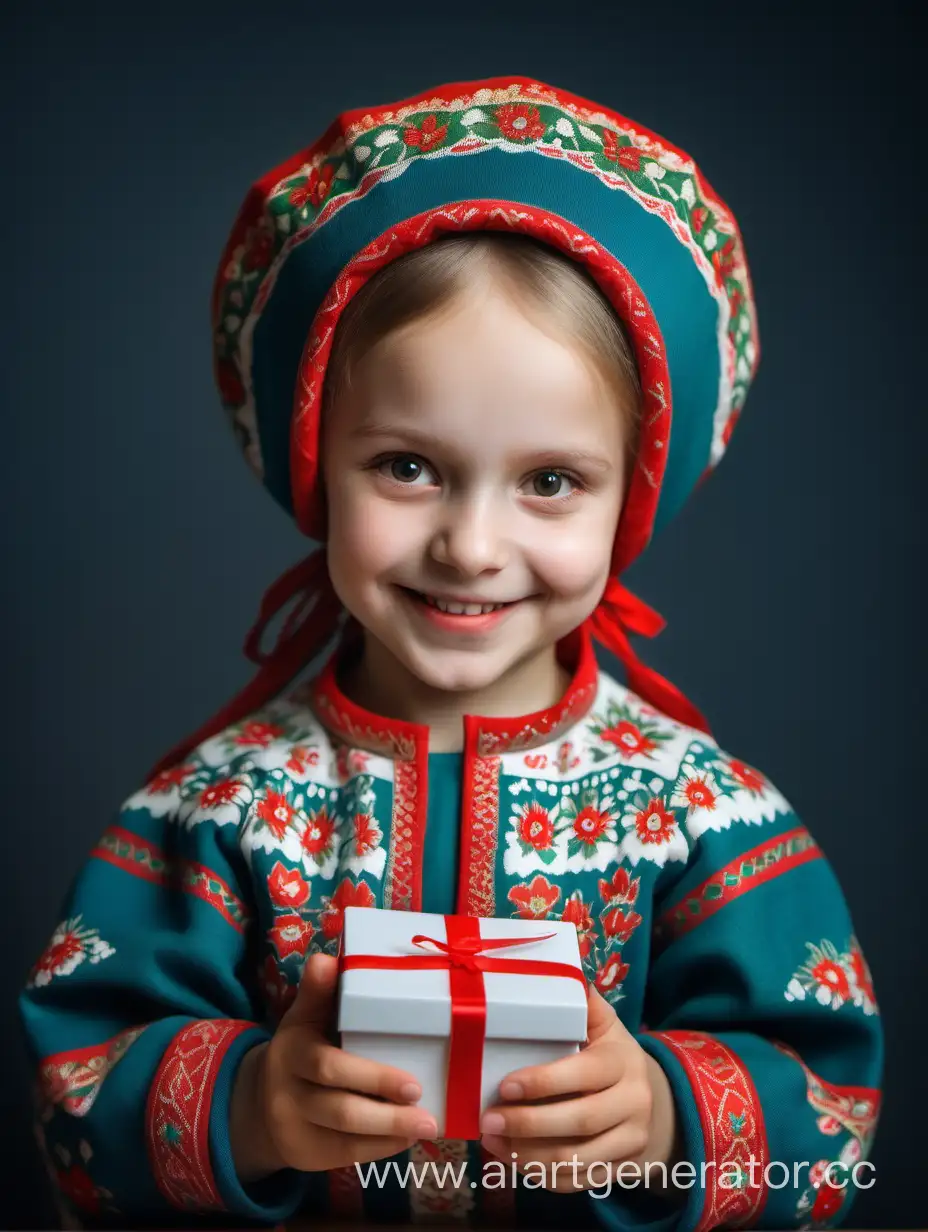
[{"x": 418, "y": 1002}]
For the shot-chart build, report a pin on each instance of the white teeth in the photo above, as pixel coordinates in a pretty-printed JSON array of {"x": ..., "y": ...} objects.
[{"x": 462, "y": 609}]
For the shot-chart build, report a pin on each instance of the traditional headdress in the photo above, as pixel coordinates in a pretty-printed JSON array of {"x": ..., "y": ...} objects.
[{"x": 508, "y": 154}]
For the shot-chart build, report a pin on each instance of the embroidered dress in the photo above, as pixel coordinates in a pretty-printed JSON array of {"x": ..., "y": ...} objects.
[
  {"x": 707, "y": 914},
  {"x": 704, "y": 908}
]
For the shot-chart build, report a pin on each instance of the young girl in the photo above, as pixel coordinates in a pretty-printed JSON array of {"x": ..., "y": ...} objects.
[{"x": 481, "y": 344}]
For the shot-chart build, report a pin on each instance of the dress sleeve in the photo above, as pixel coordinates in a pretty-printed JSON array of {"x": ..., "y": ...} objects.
[
  {"x": 760, "y": 1009},
  {"x": 140, "y": 1009}
]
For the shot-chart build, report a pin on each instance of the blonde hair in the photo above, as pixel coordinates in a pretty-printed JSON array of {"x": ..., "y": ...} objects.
[{"x": 429, "y": 280}]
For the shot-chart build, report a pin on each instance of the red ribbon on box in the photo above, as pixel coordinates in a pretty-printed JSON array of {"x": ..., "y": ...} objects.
[{"x": 460, "y": 956}]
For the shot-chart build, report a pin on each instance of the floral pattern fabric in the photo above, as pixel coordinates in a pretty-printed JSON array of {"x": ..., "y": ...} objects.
[{"x": 668, "y": 855}]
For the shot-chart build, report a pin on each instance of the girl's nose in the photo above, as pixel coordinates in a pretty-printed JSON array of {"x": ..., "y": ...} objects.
[{"x": 470, "y": 538}]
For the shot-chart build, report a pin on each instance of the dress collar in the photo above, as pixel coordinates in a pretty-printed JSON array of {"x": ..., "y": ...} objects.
[{"x": 485, "y": 736}]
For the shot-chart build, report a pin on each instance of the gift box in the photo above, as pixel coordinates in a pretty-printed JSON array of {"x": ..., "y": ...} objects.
[{"x": 459, "y": 1002}]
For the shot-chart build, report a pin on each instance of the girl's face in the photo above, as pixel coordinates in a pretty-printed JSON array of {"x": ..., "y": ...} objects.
[{"x": 474, "y": 460}]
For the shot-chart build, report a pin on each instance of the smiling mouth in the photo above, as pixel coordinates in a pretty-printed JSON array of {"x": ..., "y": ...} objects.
[{"x": 456, "y": 609}]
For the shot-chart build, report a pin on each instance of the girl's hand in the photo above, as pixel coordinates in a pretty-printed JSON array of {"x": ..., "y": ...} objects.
[
  {"x": 608, "y": 1104},
  {"x": 300, "y": 1102}
]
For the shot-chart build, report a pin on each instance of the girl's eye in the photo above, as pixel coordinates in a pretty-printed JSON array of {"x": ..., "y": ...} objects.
[
  {"x": 404, "y": 468},
  {"x": 548, "y": 484}
]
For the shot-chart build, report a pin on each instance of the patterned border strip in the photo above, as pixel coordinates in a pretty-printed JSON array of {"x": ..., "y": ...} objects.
[
  {"x": 402, "y": 889},
  {"x": 732, "y": 1123},
  {"x": 178, "y": 1111},
  {"x": 303, "y": 193},
  {"x": 747, "y": 871},
  {"x": 480, "y": 830},
  {"x": 73, "y": 1079},
  {"x": 136, "y": 855}
]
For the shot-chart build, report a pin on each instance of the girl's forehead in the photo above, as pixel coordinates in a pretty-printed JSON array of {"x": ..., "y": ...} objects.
[{"x": 494, "y": 357}]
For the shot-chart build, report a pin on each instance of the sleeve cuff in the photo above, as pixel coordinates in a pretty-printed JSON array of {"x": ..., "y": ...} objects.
[
  {"x": 188, "y": 1126},
  {"x": 722, "y": 1129},
  {"x": 276, "y": 1198}
]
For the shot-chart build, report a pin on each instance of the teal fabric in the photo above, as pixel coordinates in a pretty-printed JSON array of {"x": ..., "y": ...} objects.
[{"x": 442, "y": 834}]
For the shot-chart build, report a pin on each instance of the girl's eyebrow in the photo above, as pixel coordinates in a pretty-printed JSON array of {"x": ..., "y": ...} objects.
[{"x": 582, "y": 457}]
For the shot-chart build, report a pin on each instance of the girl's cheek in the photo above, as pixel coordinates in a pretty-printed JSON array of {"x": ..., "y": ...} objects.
[
  {"x": 573, "y": 559},
  {"x": 378, "y": 532}
]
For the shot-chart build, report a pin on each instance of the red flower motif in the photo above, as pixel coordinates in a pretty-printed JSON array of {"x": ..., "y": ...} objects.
[
  {"x": 317, "y": 837},
  {"x": 216, "y": 794},
  {"x": 279, "y": 994},
  {"x": 536, "y": 761},
  {"x": 699, "y": 794},
  {"x": 287, "y": 886},
  {"x": 366, "y": 834},
  {"x": 290, "y": 934},
  {"x": 591, "y": 825},
  {"x": 655, "y": 824},
  {"x": 629, "y": 738},
  {"x": 828, "y": 1201},
  {"x": 349, "y": 761},
  {"x": 620, "y": 889},
  {"x": 300, "y": 758},
  {"x": 724, "y": 261},
  {"x": 611, "y": 975},
  {"x": 277, "y": 813},
  {"x": 172, "y": 777},
  {"x": 431, "y": 133},
  {"x": 627, "y": 156},
  {"x": 698, "y": 218},
  {"x": 314, "y": 189},
  {"x": 862, "y": 975},
  {"x": 745, "y": 775},
  {"x": 78, "y": 1188},
  {"x": 258, "y": 733},
  {"x": 536, "y": 827},
  {"x": 617, "y": 924},
  {"x": 62, "y": 951},
  {"x": 577, "y": 913},
  {"x": 520, "y": 122},
  {"x": 534, "y": 901},
  {"x": 347, "y": 894},
  {"x": 831, "y": 975}
]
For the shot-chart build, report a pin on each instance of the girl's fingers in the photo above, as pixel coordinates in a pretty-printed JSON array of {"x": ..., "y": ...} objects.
[
  {"x": 590, "y": 1069},
  {"x": 563, "y": 1119},
  {"x": 350, "y": 1113},
  {"x": 328, "y": 1066}
]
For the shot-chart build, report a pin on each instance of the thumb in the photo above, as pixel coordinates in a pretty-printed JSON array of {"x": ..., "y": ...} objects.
[
  {"x": 315, "y": 997},
  {"x": 600, "y": 1016}
]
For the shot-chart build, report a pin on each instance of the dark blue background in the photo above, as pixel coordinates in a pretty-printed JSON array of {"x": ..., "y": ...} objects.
[{"x": 137, "y": 545}]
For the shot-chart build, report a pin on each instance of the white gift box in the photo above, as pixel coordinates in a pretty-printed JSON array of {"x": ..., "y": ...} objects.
[{"x": 402, "y": 1015}]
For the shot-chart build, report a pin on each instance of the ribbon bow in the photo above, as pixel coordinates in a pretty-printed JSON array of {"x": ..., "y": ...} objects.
[
  {"x": 463, "y": 951},
  {"x": 619, "y": 610},
  {"x": 314, "y": 619}
]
